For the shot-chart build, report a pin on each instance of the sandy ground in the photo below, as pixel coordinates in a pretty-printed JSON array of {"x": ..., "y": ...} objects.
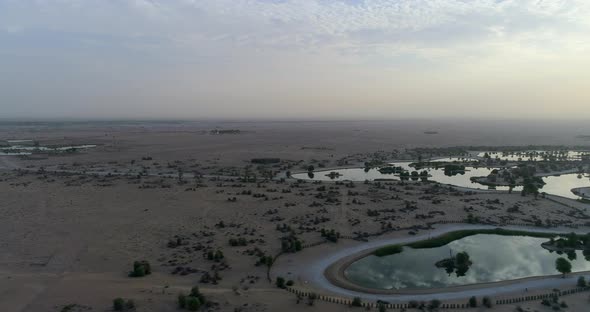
[{"x": 71, "y": 238}]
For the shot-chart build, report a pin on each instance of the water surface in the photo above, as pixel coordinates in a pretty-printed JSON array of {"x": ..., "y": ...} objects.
[
  {"x": 495, "y": 258},
  {"x": 556, "y": 185}
]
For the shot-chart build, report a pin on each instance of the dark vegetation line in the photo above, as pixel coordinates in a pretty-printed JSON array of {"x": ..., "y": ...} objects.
[{"x": 453, "y": 236}]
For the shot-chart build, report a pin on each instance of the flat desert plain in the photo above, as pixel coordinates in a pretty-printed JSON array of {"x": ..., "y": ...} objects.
[{"x": 186, "y": 197}]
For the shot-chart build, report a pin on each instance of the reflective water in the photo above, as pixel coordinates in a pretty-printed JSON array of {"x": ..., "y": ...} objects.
[
  {"x": 26, "y": 149},
  {"x": 555, "y": 185},
  {"x": 494, "y": 258},
  {"x": 452, "y": 159},
  {"x": 562, "y": 185},
  {"x": 14, "y": 153},
  {"x": 536, "y": 155}
]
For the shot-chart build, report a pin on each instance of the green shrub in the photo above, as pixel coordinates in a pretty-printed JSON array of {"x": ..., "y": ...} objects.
[
  {"x": 582, "y": 282},
  {"x": 121, "y": 305},
  {"x": 195, "y": 292},
  {"x": 388, "y": 250},
  {"x": 280, "y": 282},
  {"x": 181, "y": 301},
  {"x": 453, "y": 236},
  {"x": 290, "y": 283},
  {"x": 140, "y": 268},
  {"x": 311, "y": 299},
  {"x": 434, "y": 304},
  {"x": 193, "y": 303},
  {"x": 473, "y": 302},
  {"x": 487, "y": 302},
  {"x": 563, "y": 304},
  {"x": 118, "y": 304},
  {"x": 356, "y": 302}
]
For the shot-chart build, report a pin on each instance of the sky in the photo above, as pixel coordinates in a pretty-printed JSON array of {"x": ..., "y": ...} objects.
[{"x": 286, "y": 59}]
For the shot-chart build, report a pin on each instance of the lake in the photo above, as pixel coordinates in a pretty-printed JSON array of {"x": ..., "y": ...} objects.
[
  {"x": 494, "y": 258},
  {"x": 555, "y": 185}
]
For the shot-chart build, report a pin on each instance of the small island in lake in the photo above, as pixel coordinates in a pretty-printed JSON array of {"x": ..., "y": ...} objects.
[{"x": 458, "y": 264}]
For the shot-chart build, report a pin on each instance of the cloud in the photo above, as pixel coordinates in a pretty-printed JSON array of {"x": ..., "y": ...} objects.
[
  {"x": 264, "y": 51},
  {"x": 308, "y": 25}
]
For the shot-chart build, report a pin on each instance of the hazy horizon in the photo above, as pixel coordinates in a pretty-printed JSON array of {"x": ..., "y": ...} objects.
[{"x": 294, "y": 60}]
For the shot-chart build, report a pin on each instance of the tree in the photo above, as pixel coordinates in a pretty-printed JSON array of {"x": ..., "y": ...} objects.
[
  {"x": 195, "y": 292},
  {"x": 118, "y": 304},
  {"x": 181, "y": 301},
  {"x": 487, "y": 302},
  {"x": 140, "y": 268},
  {"x": 434, "y": 304},
  {"x": 563, "y": 266},
  {"x": 311, "y": 299},
  {"x": 473, "y": 302},
  {"x": 193, "y": 303},
  {"x": 356, "y": 302},
  {"x": 582, "y": 282},
  {"x": 280, "y": 282}
]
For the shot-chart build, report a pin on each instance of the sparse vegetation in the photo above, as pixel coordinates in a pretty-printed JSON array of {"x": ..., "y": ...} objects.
[
  {"x": 120, "y": 304},
  {"x": 453, "y": 236},
  {"x": 140, "y": 269},
  {"x": 388, "y": 250},
  {"x": 193, "y": 302},
  {"x": 356, "y": 302},
  {"x": 473, "y": 302},
  {"x": 582, "y": 282},
  {"x": 563, "y": 266}
]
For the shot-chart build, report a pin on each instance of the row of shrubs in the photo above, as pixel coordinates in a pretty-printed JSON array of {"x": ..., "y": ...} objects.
[
  {"x": 485, "y": 301},
  {"x": 455, "y": 235}
]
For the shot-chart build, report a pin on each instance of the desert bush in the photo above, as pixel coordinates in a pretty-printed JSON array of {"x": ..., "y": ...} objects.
[
  {"x": 193, "y": 303},
  {"x": 181, "y": 301},
  {"x": 473, "y": 302},
  {"x": 434, "y": 304},
  {"x": 487, "y": 302},
  {"x": 119, "y": 304},
  {"x": 280, "y": 282},
  {"x": 388, "y": 250},
  {"x": 140, "y": 268},
  {"x": 356, "y": 302},
  {"x": 311, "y": 299}
]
